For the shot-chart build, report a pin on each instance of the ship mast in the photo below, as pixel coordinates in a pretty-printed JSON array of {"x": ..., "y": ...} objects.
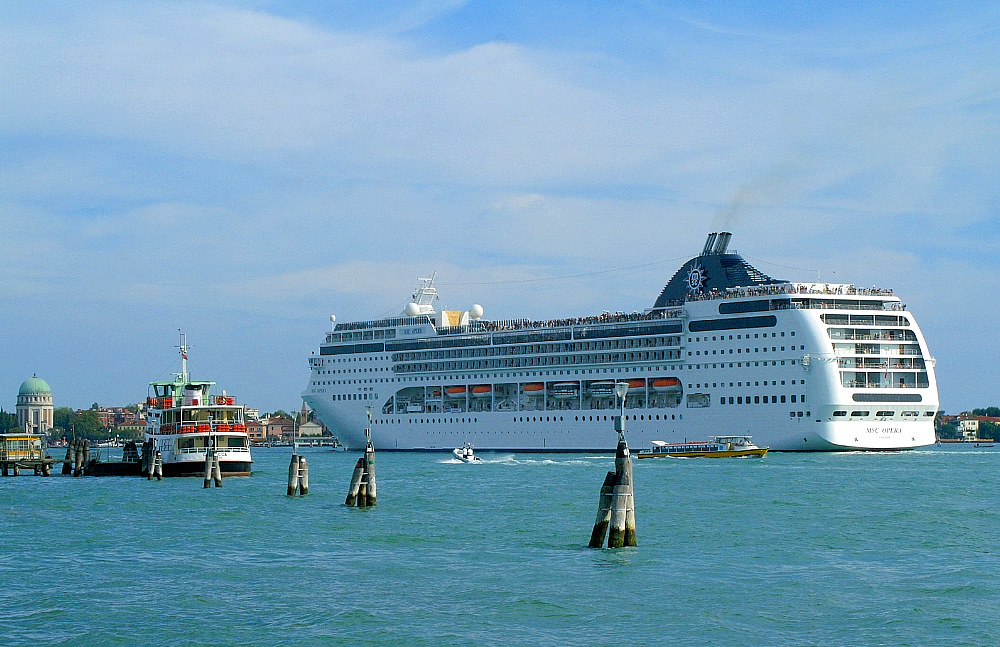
[{"x": 183, "y": 375}]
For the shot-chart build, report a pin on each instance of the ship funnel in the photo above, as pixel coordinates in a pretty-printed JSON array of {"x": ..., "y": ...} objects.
[
  {"x": 709, "y": 244},
  {"x": 722, "y": 242}
]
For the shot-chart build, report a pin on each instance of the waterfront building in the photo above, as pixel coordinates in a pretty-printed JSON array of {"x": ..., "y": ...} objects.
[
  {"x": 256, "y": 430},
  {"x": 34, "y": 406}
]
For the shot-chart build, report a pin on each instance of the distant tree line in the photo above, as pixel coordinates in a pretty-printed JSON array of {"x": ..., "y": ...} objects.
[
  {"x": 8, "y": 421},
  {"x": 69, "y": 424}
]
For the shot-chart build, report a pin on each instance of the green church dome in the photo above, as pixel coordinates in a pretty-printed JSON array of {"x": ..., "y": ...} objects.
[{"x": 35, "y": 385}]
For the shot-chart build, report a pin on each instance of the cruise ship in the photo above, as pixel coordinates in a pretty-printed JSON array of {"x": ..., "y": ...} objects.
[{"x": 725, "y": 349}]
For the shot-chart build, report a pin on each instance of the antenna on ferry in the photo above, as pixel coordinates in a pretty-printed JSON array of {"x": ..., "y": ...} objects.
[{"x": 184, "y": 356}]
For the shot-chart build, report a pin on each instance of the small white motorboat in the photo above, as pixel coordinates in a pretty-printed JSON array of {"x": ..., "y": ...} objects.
[{"x": 466, "y": 454}]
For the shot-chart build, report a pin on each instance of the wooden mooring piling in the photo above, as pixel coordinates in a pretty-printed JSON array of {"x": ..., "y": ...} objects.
[
  {"x": 298, "y": 476},
  {"x": 362, "y": 491},
  {"x": 616, "y": 507}
]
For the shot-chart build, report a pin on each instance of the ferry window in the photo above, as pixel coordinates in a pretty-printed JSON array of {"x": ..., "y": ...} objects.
[
  {"x": 859, "y": 413},
  {"x": 798, "y": 414},
  {"x": 730, "y": 399},
  {"x": 793, "y": 398},
  {"x": 756, "y": 399},
  {"x": 885, "y": 414},
  {"x": 739, "y": 400},
  {"x": 782, "y": 399},
  {"x": 928, "y": 413},
  {"x": 791, "y": 414}
]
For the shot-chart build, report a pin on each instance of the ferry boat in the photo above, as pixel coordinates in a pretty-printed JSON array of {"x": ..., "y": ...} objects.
[
  {"x": 185, "y": 417},
  {"x": 717, "y": 447},
  {"x": 813, "y": 366}
]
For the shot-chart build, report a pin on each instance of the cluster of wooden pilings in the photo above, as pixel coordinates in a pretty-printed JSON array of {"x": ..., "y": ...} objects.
[
  {"x": 362, "y": 490},
  {"x": 77, "y": 455},
  {"x": 151, "y": 462},
  {"x": 298, "y": 476},
  {"x": 616, "y": 510}
]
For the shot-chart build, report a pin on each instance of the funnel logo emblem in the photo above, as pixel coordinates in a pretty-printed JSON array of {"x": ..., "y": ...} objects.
[{"x": 696, "y": 279}]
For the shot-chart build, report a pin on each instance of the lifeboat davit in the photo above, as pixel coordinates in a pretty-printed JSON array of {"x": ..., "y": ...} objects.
[
  {"x": 456, "y": 391},
  {"x": 564, "y": 390},
  {"x": 482, "y": 391},
  {"x": 602, "y": 389},
  {"x": 666, "y": 385}
]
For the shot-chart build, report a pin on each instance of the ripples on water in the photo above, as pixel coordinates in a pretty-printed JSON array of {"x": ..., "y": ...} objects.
[{"x": 815, "y": 549}]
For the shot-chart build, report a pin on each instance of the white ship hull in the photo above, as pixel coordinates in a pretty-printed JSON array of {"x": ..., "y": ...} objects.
[
  {"x": 182, "y": 461},
  {"x": 799, "y": 367}
]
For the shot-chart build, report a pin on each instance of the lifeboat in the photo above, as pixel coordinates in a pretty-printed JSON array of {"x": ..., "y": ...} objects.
[
  {"x": 564, "y": 390},
  {"x": 602, "y": 389},
  {"x": 666, "y": 385},
  {"x": 636, "y": 385},
  {"x": 534, "y": 389},
  {"x": 456, "y": 391},
  {"x": 482, "y": 390}
]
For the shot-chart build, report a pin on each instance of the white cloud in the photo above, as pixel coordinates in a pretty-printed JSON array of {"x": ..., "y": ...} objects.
[{"x": 159, "y": 153}]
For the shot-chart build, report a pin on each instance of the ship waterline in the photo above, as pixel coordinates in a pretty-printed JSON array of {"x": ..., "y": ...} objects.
[{"x": 724, "y": 349}]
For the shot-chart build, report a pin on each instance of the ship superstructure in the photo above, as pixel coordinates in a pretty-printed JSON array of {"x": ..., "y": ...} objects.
[{"x": 800, "y": 366}]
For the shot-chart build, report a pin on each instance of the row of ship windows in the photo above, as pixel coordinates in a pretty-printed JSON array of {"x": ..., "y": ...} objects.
[
  {"x": 585, "y": 418},
  {"x": 715, "y": 385},
  {"x": 881, "y": 414},
  {"x": 597, "y": 418},
  {"x": 606, "y": 372},
  {"x": 762, "y": 349},
  {"x": 536, "y": 349},
  {"x": 760, "y": 399},
  {"x": 525, "y": 362},
  {"x": 871, "y": 334},
  {"x": 756, "y": 335},
  {"x": 460, "y": 366}
]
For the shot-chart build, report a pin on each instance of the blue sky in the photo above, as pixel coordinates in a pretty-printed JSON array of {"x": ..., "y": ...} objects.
[{"x": 241, "y": 170}]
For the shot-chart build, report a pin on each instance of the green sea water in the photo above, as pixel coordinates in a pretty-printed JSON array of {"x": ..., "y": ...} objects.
[{"x": 792, "y": 549}]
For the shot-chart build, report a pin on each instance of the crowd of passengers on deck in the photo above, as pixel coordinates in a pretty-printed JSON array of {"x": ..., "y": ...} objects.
[
  {"x": 604, "y": 318},
  {"x": 663, "y": 313}
]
